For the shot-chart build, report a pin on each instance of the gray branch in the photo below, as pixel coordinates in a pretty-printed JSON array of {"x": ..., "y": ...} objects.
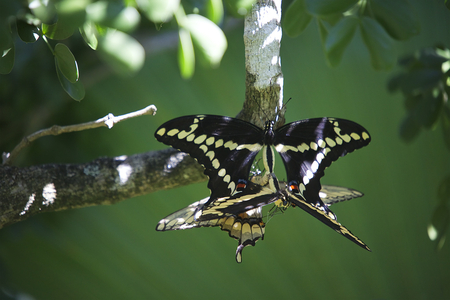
[{"x": 25, "y": 192}]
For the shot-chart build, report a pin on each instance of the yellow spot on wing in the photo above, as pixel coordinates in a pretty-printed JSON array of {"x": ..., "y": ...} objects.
[
  {"x": 200, "y": 139},
  {"x": 161, "y": 131},
  {"x": 173, "y": 132}
]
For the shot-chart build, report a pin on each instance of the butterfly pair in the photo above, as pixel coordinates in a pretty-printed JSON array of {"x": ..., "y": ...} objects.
[{"x": 227, "y": 147}]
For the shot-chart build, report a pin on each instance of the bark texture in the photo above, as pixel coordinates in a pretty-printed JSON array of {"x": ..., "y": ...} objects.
[{"x": 25, "y": 192}]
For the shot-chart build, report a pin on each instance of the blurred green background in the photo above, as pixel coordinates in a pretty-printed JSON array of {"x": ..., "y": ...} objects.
[{"x": 114, "y": 252}]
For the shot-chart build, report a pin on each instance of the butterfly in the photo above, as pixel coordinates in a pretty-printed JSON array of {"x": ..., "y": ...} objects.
[
  {"x": 227, "y": 147},
  {"x": 248, "y": 227}
]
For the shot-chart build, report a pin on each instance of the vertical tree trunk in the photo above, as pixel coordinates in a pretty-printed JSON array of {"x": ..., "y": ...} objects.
[{"x": 264, "y": 79}]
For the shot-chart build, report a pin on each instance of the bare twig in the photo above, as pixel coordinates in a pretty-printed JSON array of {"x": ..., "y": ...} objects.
[{"x": 107, "y": 121}]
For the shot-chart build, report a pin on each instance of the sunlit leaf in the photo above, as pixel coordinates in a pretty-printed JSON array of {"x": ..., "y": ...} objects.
[
  {"x": 57, "y": 31},
  {"x": 66, "y": 62},
  {"x": 326, "y": 7},
  {"x": 43, "y": 9},
  {"x": 429, "y": 57},
  {"x": 296, "y": 18},
  {"x": 27, "y": 33},
  {"x": 7, "y": 60},
  {"x": 397, "y": 17},
  {"x": 158, "y": 10},
  {"x": 89, "y": 33},
  {"x": 114, "y": 15},
  {"x": 379, "y": 44},
  {"x": 338, "y": 39},
  {"x": 121, "y": 52},
  {"x": 439, "y": 225},
  {"x": 214, "y": 10},
  {"x": 186, "y": 57},
  {"x": 71, "y": 13},
  {"x": 208, "y": 37},
  {"x": 75, "y": 90}
]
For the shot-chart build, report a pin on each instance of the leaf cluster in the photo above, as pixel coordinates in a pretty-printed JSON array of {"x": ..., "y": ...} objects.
[
  {"x": 107, "y": 26},
  {"x": 380, "y": 22},
  {"x": 425, "y": 85}
]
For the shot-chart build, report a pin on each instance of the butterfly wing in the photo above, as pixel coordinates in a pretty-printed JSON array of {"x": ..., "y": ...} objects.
[
  {"x": 325, "y": 217},
  {"x": 246, "y": 227},
  {"x": 309, "y": 146},
  {"x": 331, "y": 194},
  {"x": 225, "y": 146}
]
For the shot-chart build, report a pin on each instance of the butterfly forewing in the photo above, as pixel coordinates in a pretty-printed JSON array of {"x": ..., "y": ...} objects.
[
  {"x": 225, "y": 146},
  {"x": 309, "y": 146}
]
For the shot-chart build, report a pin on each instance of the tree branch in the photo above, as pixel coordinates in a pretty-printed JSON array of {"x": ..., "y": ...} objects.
[
  {"x": 107, "y": 121},
  {"x": 264, "y": 79},
  {"x": 25, "y": 192}
]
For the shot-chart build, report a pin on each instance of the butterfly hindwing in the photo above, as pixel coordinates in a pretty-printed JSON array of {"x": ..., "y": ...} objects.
[
  {"x": 246, "y": 227},
  {"x": 225, "y": 146}
]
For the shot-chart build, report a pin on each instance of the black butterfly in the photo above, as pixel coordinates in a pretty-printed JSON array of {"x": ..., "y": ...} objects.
[
  {"x": 226, "y": 147},
  {"x": 247, "y": 226}
]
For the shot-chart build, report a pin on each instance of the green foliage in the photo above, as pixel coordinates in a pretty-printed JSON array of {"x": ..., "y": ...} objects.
[
  {"x": 424, "y": 84},
  {"x": 380, "y": 22},
  {"x": 106, "y": 26}
]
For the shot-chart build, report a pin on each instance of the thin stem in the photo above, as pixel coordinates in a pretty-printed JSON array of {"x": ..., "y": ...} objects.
[{"x": 107, "y": 121}]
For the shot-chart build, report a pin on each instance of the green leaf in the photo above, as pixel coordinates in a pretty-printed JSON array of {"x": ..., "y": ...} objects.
[
  {"x": 89, "y": 33},
  {"x": 6, "y": 49},
  {"x": 75, "y": 90},
  {"x": 44, "y": 10},
  {"x": 114, "y": 15},
  {"x": 338, "y": 39},
  {"x": 379, "y": 44},
  {"x": 27, "y": 33},
  {"x": 57, "y": 31},
  {"x": 7, "y": 60},
  {"x": 208, "y": 37},
  {"x": 186, "y": 57},
  {"x": 409, "y": 128},
  {"x": 121, "y": 52},
  {"x": 438, "y": 225},
  {"x": 158, "y": 10},
  {"x": 397, "y": 17},
  {"x": 72, "y": 13},
  {"x": 432, "y": 58},
  {"x": 420, "y": 80},
  {"x": 429, "y": 108},
  {"x": 66, "y": 62},
  {"x": 327, "y": 7},
  {"x": 239, "y": 8},
  {"x": 214, "y": 10},
  {"x": 296, "y": 18}
]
